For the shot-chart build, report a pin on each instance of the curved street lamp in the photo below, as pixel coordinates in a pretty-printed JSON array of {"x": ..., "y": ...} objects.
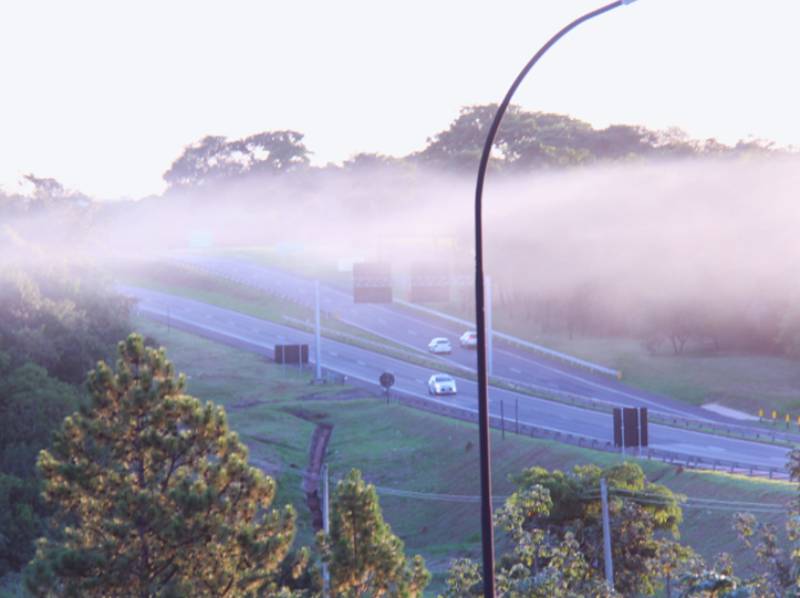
[{"x": 487, "y": 530}]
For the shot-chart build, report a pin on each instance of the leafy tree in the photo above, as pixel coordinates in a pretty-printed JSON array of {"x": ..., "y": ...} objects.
[
  {"x": 527, "y": 140},
  {"x": 21, "y": 521},
  {"x": 524, "y": 139},
  {"x": 712, "y": 584},
  {"x": 364, "y": 162},
  {"x": 779, "y": 575},
  {"x": 638, "y": 509},
  {"x": 364, "y": 556},
  {"x": 47, "y": 192},
  {"x": 155, "y": 495},
  {"x": 217, "y": 159},
  {"x": 59, "y": 318},
  {"x": 32, "y": 405},
  {"x": 568, "y": 522},
  {"x": 540, "y": 564}
]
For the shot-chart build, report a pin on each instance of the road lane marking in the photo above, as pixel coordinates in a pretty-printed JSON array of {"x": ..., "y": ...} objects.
[{"x": 515, "y": 370}]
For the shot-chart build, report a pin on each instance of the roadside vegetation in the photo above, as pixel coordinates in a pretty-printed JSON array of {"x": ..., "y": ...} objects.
[
  {"x": 398, "y": 448},
  {"x": 415, "y": 461},
  {"x": 56, "y": 321}
]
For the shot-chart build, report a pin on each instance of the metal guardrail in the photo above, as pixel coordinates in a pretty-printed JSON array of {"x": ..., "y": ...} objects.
[
  {"x": 705, "y": 426},
  {"x": 523, "y": 429},
  {"x": 575, "y": 361}
]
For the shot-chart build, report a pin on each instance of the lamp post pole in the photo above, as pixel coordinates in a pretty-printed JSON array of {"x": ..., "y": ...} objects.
[{"x": 487, "y": 530}]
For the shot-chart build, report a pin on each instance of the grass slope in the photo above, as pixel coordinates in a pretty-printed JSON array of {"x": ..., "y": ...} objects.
[{"x": 275, "y": 411}]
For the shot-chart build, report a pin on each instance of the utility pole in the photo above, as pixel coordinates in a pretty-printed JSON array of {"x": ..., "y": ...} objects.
[
  {"x": 317, "y": 335},
  {"x": 502, "y": 419},
  {"x": 622, "y": 431},
  {"x": 606, "y": 535},
  {"x": 326, "y": 527},
  {"x": 489, "y": 348}
]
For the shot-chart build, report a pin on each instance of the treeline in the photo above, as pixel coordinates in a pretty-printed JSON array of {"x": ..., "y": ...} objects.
[
  {"x": 525, "y": 142},
  {"x": 55, "y": 323}
]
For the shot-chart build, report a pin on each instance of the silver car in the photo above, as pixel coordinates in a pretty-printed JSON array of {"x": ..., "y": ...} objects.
[
  {"x": 441, "y": 384},
  {"x": 440, "y": 345},
  {"x": 469, "y": 340}
]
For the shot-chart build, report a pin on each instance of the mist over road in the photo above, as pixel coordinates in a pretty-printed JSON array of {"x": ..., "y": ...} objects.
[
  {"x": 261, "y": 336},
  {"x": 415, "y": 330}
]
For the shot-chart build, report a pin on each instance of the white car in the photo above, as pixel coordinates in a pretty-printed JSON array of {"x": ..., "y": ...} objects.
[
  {"x": 469, "y": 340},
  {"x": 441, "y": 384},
  {"x": 440, "y": 345}
]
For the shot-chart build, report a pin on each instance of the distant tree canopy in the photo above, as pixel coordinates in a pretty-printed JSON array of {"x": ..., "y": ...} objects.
[
  {"x": 527, "y": 140},
  {"x": 218, "y": 159},
  {"x": 60, "y": 319}
]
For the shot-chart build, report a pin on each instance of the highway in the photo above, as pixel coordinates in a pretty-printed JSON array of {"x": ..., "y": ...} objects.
[
  {"x": 261, "y": 336},
  {"x": 414, "y": 330}
]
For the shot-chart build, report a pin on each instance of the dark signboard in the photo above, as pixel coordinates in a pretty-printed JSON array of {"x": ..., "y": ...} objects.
[
  {"x": 291, "y": 354},
  {"x": 372, "y": 282},
  {"x": 633, "y": 422},
  {"x": 643, "y": 426}
]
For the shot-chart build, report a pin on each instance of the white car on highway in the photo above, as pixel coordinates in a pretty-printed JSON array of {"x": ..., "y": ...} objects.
[
  {"x": 440, "y": 345},
  {"x": 469, "y": 340},
  {"x": 441, "y": 384}
]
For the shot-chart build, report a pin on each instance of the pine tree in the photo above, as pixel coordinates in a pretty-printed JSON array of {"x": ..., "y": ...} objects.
[
  {"x": 154, "y": 494},
  {"x": 364, "y": 556}
]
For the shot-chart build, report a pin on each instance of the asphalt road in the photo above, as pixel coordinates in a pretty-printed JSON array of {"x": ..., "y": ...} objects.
[
  {"x": 365, "y": 365},
  {"x": 415, "y": 330}
]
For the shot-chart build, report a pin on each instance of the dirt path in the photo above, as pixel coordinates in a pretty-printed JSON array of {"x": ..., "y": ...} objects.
[{"x": 319, "y": 444}]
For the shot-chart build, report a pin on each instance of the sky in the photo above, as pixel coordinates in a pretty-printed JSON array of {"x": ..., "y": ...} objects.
[{"x": 104, "y": 95}]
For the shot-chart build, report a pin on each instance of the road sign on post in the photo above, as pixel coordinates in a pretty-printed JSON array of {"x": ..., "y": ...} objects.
[
  {"x": 291, "y": 354},
  {"x": 630, "y": 427},
  {"x": 386, "y": 380},
  {"x": 372, "y": 282}
]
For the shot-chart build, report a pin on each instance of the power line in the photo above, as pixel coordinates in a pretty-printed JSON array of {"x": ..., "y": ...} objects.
[{"x": 650, "y": 498}]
